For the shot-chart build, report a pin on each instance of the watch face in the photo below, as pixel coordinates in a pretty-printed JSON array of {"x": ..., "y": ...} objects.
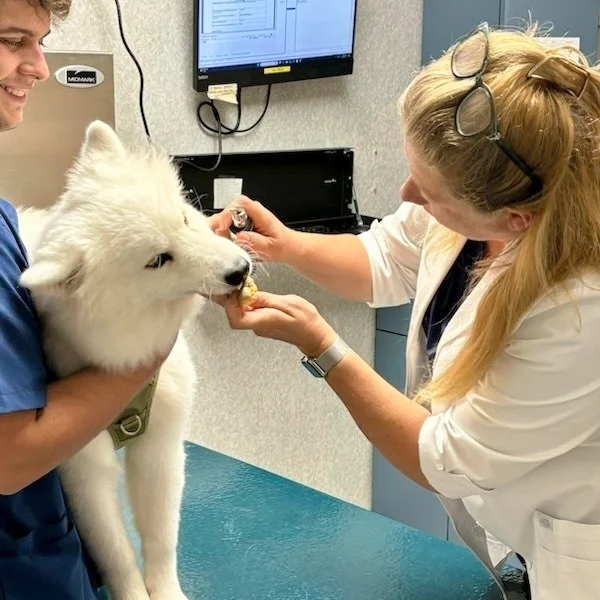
[{"x": 312, "y": 367}]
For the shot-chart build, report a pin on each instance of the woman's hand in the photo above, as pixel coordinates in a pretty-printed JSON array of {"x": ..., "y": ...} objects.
[
  {"x": 289, "y": 319},
  {"x": 270, "y": 238}
]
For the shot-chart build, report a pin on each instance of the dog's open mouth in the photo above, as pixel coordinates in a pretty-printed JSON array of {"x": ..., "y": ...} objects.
[{"x": 246, "y": 289}]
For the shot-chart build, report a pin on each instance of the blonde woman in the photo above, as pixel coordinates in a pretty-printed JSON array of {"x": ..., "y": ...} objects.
[{"x": 497, "y": 244}]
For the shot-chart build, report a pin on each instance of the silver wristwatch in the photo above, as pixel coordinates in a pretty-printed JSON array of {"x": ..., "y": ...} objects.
[{"x": 321, "y": 365}]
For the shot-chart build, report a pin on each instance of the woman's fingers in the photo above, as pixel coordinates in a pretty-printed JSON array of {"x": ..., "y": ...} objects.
[
  {"x": 284, "y": 304},
  {"x": 266, "y": 309}
]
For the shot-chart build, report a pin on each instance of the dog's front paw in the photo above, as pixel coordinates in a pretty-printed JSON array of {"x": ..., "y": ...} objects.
[{"x": 164, "y": 587}]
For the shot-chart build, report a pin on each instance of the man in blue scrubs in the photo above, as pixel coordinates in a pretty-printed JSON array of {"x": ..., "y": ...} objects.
[{"x": 42, "y": 421}]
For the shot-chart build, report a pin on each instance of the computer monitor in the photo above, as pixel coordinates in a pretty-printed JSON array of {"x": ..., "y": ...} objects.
[{"x": 256, "y": 42}]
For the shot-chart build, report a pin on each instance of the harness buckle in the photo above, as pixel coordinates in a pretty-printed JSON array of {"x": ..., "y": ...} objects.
[{"x": 131, "y": 426}]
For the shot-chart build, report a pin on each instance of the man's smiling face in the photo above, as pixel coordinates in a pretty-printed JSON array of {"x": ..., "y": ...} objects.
[{"x": 22, "y": 63}]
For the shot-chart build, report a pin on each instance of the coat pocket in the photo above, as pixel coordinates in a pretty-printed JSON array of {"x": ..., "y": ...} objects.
[{"x": 566, "y": 563}]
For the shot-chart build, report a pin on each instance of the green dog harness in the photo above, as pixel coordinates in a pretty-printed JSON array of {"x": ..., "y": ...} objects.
[{"x": 133, "y": 421}]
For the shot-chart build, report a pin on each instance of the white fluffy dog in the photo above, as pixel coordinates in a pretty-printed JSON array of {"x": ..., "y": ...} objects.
[{"x": 116, "y": 267}]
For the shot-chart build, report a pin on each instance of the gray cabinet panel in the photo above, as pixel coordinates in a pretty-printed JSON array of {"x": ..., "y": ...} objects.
[
  {"x": 445, "y": 21},
  {"x": 394, "y": 495},
  {"x": 401, "y": 499},
  {"x": 390, "y": 358},
  {"x": 394, "y": 319},
  {"x": 452, "y": 535},
  {"x": 573, "y": 19}
]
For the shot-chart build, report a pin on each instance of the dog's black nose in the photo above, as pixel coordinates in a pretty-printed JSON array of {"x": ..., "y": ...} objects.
[{"x": 239, "y": 274}]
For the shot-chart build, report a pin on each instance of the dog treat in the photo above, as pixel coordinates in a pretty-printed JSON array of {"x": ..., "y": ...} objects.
[{"x": 248, "y": 292}]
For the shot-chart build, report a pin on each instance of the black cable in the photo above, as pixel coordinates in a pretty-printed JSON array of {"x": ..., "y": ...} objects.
[
  {"x": 236, "y": 128},
  {"x": 226, "y": 130},
  {"x": 219, "y": 132},
  {"x": 221, "y": 129},
  {"x": 141, "y": 100},
  {"x": 219, "y": 151},
  {"x": 264, "y": 112},
  {"x": 137, "y": 64}
]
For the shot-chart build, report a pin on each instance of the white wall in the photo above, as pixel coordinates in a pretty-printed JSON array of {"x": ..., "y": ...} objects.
[{"x": 257, "y": 403}]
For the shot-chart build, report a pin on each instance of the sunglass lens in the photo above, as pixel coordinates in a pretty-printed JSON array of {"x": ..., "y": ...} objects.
[
  {"x": 474, "y": 114},
  {"x": 469, "y": 56}
]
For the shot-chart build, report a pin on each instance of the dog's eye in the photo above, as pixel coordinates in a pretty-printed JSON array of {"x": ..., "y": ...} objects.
[{"x": 160, "y": 260}]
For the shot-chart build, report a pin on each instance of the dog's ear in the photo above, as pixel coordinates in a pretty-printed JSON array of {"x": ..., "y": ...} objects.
[
  {"x": 100, "y": 137},
  {"x": 56, "y": 275}
]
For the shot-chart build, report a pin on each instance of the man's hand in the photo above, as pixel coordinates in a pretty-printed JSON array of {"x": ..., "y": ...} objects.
[{"x": 79, "y": 407}]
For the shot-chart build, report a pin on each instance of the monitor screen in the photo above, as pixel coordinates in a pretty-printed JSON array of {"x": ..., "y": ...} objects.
[{"x": 255, "y": 42}]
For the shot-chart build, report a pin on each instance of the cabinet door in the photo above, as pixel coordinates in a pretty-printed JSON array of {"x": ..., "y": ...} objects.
[
  {"x": 390, "y": 357},
  {"x": 453, "y": 536},
  {"x": 571, "y": 19},
  {"x": 395, "y": 495},
  {"x": 401, "y": 499},
  {"x": 394, "y": 319},
  {"x": 444, "y": 21}
]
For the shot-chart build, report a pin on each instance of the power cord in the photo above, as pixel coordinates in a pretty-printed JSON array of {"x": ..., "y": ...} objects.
[
  {"x": 141, "y": 97},
  {"x": 220, "y": 130},
  {"x": 225, "y": 130},
  {"x": 217, "y": 117},
  {"x": 139, "y": 68},
  {"x": 220, "y": 134}
]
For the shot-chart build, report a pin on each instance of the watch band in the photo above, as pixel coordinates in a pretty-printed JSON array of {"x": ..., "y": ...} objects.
[{"x": 321, "y": 365}]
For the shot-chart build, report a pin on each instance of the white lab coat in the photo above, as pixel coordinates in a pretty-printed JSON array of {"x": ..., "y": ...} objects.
[{"x": 516, "y": 462}]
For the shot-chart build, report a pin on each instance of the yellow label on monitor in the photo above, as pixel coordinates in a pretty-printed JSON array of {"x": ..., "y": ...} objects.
[{"x": 272, "y": 70}]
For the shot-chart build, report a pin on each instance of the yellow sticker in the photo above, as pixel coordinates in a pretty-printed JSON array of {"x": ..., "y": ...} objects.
[{"x": 271, "y": 70}]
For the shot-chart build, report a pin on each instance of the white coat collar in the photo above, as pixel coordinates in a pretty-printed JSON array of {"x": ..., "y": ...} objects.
[{"x": 433, "y": 269}]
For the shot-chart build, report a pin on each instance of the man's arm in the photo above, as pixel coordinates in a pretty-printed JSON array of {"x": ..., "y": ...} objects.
[
  {"x": 79, "y": 407},
  {"x": 43, "y": 425}
]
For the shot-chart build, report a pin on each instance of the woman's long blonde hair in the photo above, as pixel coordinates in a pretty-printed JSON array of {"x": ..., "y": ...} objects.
[{"x": 559, "y": 136}]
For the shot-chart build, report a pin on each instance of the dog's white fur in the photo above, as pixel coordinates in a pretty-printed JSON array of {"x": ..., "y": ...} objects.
[{"x": 101, "y": 306}]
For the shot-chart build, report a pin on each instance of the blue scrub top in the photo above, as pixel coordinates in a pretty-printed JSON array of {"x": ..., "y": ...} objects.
[
  {"x": 450, "y": 295},
  {"x": 41, "y": 555}
]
